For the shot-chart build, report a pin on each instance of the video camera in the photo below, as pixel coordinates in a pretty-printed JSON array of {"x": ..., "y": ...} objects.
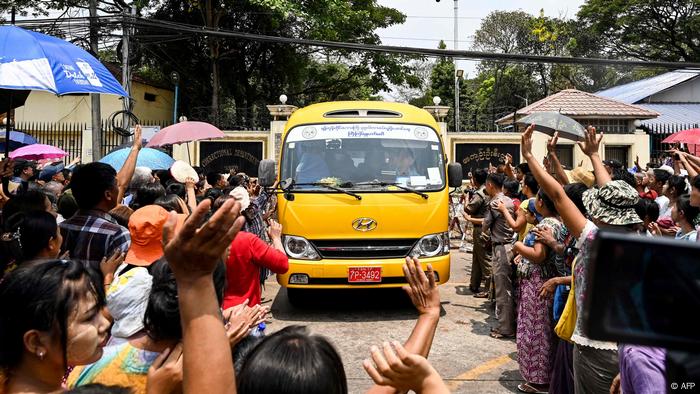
[{"x": 646, "y": 291}]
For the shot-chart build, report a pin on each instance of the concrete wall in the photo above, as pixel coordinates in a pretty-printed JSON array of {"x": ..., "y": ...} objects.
[
  {"x": 180, "y": 152},
  {"x": 47, "y": 107},
  {"x": 688, "y": 92}
]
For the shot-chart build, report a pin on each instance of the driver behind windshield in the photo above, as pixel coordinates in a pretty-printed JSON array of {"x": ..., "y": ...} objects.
[
  {"x": 312, "y": 166},
  {"x": 404, "y": 163}
]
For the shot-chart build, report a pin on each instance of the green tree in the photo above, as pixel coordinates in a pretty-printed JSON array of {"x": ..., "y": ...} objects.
[
  {"x": 253, "y": 73},
  {"x": 646, "y": 29}
]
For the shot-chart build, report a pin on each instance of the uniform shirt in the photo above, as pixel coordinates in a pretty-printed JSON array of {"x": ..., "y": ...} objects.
[
  {"x": 91, "y": 235},
  {"x": 478, "y": 204},
  {"x": 495, "y": 222}
]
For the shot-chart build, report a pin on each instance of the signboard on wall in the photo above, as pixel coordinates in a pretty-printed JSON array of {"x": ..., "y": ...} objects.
[
  {"x": 226, "y": 156},
  {"x": 473, "y": 156}
]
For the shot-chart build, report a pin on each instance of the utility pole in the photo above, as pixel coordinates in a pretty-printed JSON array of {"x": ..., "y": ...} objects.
[
  {"x": 456, "y": 44},
  {"x": 95, "y": 98},
  {"x": 126, "y": 72}
]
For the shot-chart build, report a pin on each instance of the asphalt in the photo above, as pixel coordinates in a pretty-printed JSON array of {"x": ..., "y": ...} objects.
[{"x": 468, "y": 359}]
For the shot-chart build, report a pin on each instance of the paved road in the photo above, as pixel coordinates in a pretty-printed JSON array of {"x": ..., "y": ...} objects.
[{"x": 466, "y": 356}]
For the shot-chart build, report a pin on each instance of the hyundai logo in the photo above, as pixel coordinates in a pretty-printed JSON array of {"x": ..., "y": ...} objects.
[{"x": 364, "y": 224}]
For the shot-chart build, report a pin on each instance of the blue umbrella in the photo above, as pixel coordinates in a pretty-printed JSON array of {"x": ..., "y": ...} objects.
[
  {"x": 35, "y": 61},
  {"x": 151, "y": 158},
  {"x": 18, "y": 139}
]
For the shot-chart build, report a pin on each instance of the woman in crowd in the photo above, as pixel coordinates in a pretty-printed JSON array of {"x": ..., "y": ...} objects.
[
  {"x": 685, "y": 215},
  {"x": 609, "y": 205},
  {"x": 49, "y": 319},
  {"x": 534, "y": 329},
  {"x": 126, "y": 364},
  {"x": 32, "y": 235},
  {"x": 147, "y": 195}
]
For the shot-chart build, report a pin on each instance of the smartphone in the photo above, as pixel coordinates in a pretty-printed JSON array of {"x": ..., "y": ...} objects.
[{"x": 643, "y": 290}]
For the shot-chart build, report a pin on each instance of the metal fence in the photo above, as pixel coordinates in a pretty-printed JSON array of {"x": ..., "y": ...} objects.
[
  {"x": 659, "y": 132},
  {"x": 251, "y": 119},
  {"x": 111, "y": 139},
  {"x": 67, "y": 136}
]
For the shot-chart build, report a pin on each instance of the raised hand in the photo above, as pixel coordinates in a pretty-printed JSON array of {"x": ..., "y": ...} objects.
[
  {"x": 138, "y": 142},
  {"x": 274, "y": 231},
  {"x": 552, "y": 144},
  {"x": 394, "y": 366},
  {"x": 526, "y": 141},
  {"x": 591, "y": 142},
  {"x": 165, "y": 374},
  {"x": 109, "y": 265},
  {"x": 194, "y": 251},
  {"x": 7, "y": 168},
  {"x": 545, "y": 235},
  {"x": 421, "y": 288},
  {"x": 509, "y": 159}
]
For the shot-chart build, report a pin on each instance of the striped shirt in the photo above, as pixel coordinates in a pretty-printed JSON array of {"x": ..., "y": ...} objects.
[{"x": 91, "y": 235}]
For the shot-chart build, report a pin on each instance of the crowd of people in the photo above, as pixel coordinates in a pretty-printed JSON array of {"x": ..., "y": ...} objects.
[
  {"x": 532, "y": 247},
  {"x": 130, "y": 281}
]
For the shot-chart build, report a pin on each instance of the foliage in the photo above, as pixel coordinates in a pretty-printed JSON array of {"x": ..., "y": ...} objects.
[
  {"x": 256, "y": 73},
  {"x": 654, "y": 30}
]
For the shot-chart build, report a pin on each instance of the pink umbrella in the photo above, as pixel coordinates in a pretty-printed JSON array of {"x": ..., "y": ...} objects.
[
  {"x": 38, "y": 152},
  {"x": 185, "y": 132},
  {"x": 690, "y": 137}
]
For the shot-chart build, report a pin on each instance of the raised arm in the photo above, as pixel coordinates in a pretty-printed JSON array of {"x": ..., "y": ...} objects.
[
  {"x": 692, "y": 170},
  {"x": 554, "y": 163},
  {"x": 191, "y": 197},
  {"x": 127, "y": 171},
  {"x": 590, "y": 146},
  {"x": 425, "y": 296},
  {"x": 571, "y": 216},
  {"x": 193, "y": 254},
  {"x": 509, "y": 166}
]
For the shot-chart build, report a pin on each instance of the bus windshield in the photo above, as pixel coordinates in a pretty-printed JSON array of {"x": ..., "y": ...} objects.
[{"x": 363, "y": 156}]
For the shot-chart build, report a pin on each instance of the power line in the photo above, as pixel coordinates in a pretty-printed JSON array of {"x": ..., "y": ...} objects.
[
  {"x": 403, "y": 50},
  {"x": 457, "y": 54}
]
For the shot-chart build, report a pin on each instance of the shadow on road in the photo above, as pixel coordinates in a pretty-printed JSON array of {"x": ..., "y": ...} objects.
[{"x": 356, "y": 305}]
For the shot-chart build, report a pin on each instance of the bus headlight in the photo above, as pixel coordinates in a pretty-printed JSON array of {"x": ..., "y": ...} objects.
[
  {"x": 299, "y": 248},
  {"x": 432, "y": 245}
]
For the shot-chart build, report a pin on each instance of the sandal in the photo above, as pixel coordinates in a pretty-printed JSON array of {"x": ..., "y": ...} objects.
[
  {"x": 483, "y": 294},
  {"x": 528, "y": 388},
  {"x": 497, "y": 335}
]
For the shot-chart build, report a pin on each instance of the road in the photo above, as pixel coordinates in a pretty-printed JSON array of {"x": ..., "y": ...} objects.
[{"x": 466, "y": 356}]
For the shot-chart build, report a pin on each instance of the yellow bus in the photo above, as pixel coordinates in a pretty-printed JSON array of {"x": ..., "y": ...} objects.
[{"x": 361, "y": 186}]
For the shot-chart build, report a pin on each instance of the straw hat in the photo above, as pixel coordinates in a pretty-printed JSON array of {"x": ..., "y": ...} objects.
[{"x": 581, "y": 175}]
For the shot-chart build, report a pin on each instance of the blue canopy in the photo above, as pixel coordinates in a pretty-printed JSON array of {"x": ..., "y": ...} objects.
[
  {"x": 35, "y": 61},
  {"x": 151, "y": 158},
  {"x": 17, "y": 140}
]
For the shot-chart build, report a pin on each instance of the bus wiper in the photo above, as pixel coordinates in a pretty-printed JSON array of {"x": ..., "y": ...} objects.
[
  {"x": 384, "y": 184},
  {"x": 327, "y": 186}
]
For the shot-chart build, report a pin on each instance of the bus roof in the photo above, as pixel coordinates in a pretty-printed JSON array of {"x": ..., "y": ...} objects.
[{"x": 360, "y": 111}]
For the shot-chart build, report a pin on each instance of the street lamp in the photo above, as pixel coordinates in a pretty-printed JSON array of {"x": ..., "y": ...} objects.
[{"x": 175, "y": 79}]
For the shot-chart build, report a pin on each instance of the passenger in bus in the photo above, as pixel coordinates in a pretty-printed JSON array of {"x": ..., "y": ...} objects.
[
  {"x": 312, "y": 167},
  {"x": 340, "y": 164},
  {"x": 404, "y": 163},
  {"x": 370, "y": 168}
]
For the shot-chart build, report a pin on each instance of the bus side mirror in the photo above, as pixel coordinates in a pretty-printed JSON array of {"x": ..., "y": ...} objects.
[
  {"x": 267, "y": 173},
  {"x": 454, "y": 174}
]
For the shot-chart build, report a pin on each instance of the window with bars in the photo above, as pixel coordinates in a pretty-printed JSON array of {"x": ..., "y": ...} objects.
[
  {"x": 565, "y": 153},
  {"x": 619, "y": 153},
  {"x": 610, "y": 126}
]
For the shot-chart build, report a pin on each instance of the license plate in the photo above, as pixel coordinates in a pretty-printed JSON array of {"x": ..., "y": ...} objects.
[{"x": 365, "y": 274}]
